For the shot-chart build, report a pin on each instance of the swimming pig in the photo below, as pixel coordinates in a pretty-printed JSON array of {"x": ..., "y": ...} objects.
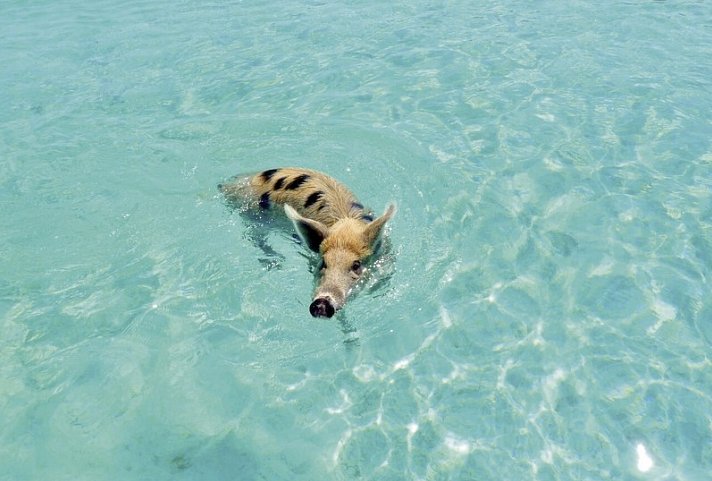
[{"x": 327, "y": 216}]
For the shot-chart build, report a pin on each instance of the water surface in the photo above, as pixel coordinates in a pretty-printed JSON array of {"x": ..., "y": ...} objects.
[{"x": 546, "y": 311}]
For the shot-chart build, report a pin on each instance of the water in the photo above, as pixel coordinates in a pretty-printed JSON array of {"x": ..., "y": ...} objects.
[{"x": 547, "y": 315}]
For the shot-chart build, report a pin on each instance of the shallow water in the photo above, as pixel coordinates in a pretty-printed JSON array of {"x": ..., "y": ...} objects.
[{"x": 545, "y": 312}]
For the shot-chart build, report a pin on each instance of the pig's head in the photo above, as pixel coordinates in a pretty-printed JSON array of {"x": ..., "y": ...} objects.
[{"x": 344, "y": 248}]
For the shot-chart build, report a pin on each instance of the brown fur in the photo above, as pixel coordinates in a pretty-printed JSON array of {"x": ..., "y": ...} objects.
[
  {"x": 328, "y": 217},
  {"x": 334, "y": 205}
]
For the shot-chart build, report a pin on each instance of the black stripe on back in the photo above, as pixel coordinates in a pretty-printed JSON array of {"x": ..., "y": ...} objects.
[
  {"x": 356, "y": 205},
  {"x": 297, "y": 182},
  {"x": 313, "y": 198},
  {"x": 264, "y": 200},
  {"x": 267, "y": 174},
  {"x": 280, "y": 183}
]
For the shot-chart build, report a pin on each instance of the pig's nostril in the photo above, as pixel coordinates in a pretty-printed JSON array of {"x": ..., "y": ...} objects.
[{"x": 321, "y": 308}]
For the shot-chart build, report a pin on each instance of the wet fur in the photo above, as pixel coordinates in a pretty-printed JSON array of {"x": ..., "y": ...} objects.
[
  {"x": 312, "y": 194},
  {"x": 326, "y": 214}
]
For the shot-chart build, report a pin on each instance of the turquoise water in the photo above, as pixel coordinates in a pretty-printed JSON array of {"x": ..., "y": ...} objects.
[{"x": 545, "y": 313}]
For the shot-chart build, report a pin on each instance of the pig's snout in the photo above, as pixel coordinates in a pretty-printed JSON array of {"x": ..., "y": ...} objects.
[{"x": 321, "y": 307}]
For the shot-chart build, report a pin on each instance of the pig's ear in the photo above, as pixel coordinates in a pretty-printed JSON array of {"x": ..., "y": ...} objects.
[
  {"x": 313, "y": 232},
  {"x": 374, "y": 229}
]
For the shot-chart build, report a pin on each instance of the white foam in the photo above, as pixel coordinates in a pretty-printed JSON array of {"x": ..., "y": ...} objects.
[
  {"x": 551, "y": 383},
  {"x": 340, "y": 446},
  {"x": 445, "y": 317},
  {"x": 404, "y": 362},
  {"x": 546, "y": 117},
  {"x": 665, "y": 312},
  {"x": 604, "y": 268},
  {"x": 645, "y": 462},
  {"x": 458, "y": 446}
]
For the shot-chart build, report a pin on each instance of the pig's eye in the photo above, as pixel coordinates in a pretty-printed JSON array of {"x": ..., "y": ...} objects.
[{"x": 356, "y": 267}]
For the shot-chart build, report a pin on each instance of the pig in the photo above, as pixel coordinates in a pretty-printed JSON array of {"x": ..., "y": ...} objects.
[{"x": 329, "y": 219}]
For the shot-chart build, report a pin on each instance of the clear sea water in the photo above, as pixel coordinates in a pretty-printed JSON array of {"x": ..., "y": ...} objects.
[{"x": 545, "y": 313}]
